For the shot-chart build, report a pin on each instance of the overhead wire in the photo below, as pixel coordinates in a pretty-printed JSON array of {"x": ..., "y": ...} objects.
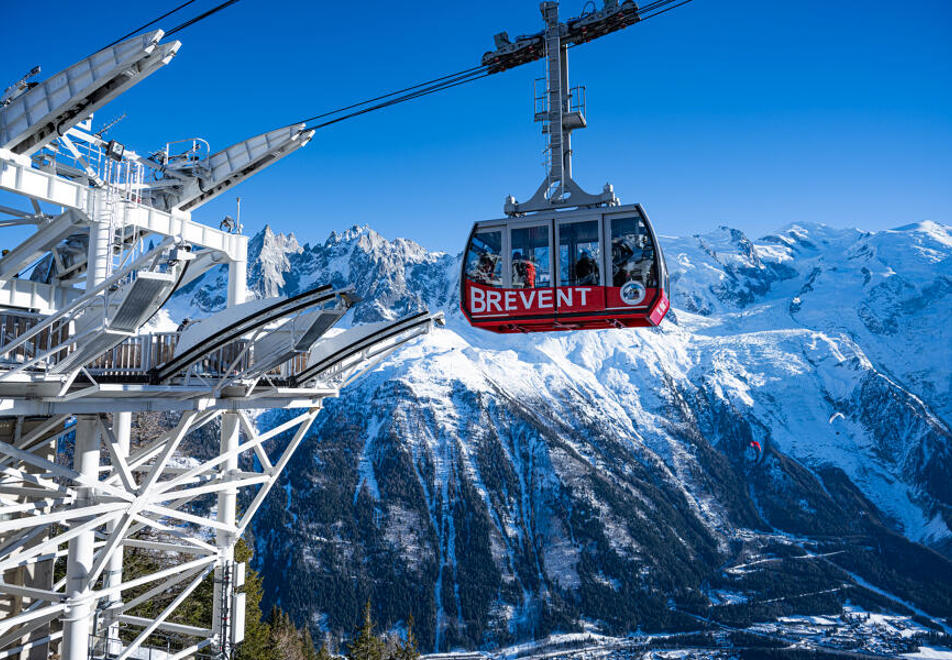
[
  {"x": 200, "y": 17},
  {"x": 481, "y": 72},
  {"x": 448, "y": 81},
  {"x": 658, "y": 13},
  {"x": 145, "y": 25},
  {"x": 394, "y": 93},
  {"x": 177, "y": 28},
  {"x": 419, "y": 90}
]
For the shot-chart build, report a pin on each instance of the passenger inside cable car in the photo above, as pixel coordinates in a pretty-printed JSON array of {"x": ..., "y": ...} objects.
[
  {"x": 484, "y": 259},
  {"x": 553, "y": 272}
]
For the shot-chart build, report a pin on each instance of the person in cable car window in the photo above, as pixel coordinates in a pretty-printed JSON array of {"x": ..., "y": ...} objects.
[
  {"x": 586, "y": 270},
  {"x": 621, "y": 261},
  {"x": 485, "y": 269},
  {"x": 523, "y": 272},
  {"x": 645, "y": 267}
]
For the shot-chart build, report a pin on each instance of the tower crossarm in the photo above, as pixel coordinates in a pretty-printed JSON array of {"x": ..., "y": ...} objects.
[
  {"x": 46, "y": 237},
  {"x": 612, "y": 17},
  {"x": 36, "y": 117},
  {"x": 209, "y": 177}
]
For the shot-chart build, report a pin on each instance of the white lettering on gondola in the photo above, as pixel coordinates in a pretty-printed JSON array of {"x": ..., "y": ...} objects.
[
  {"x": 477, "y": 300},
  {"x": 545, "y": 298},
  {"x": 493, "y": 298},
  {"x": 489, "y": 301}
]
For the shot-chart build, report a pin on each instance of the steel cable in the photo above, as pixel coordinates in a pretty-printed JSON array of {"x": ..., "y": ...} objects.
[
  {"x": 394, "y": 93},
  {"x": 152, "y": 22},
  {"x": 448, "y": 81},
  {"x": 476, "y": 75},
  {"x": 200, "y": 17}
]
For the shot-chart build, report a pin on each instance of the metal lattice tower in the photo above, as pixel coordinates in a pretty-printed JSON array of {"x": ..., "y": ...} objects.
[{"x": 112, "y": 240}]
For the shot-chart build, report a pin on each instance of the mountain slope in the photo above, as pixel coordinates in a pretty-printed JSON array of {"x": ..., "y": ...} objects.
[{"x": 502, "y": 487}]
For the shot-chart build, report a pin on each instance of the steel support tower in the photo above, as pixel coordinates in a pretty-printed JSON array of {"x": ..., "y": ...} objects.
[{"x": 109, "y": 240}]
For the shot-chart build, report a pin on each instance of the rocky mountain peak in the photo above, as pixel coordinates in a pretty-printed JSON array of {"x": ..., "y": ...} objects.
[
  {"x": 269, "y": 259},
  {"x": 500, "y": 487}
]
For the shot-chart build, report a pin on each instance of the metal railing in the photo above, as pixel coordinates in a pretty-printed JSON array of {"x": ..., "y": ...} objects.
[
  {"x": 14, "y": 324},
  {"x": 136, "y": 356},
  {"x": 140, "y": 358}
]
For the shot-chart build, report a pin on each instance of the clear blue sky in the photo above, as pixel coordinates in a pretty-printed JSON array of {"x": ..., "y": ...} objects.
[{"x": 753, "y": 113}]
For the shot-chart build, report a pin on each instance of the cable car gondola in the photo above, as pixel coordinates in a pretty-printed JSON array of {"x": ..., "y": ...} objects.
[
  {"x": 572, "y": 270},
  {"x": 565, "y": 259}
]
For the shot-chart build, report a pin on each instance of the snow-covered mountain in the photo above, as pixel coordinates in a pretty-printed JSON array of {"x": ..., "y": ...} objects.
[{"x": 500, "y": 488}]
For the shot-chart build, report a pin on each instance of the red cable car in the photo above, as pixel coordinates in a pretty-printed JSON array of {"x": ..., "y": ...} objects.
[
  {"x": 572, "y": 270},
  {"x": 546, "y": 267}
]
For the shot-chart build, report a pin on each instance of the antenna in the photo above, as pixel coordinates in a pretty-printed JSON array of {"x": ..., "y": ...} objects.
[{"x": 102, "y": 131}]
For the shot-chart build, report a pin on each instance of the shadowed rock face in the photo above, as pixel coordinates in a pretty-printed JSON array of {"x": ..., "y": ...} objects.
[{"x": 500, "y": 488}]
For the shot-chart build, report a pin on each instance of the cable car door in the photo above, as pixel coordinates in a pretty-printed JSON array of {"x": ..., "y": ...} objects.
[
  {"x": 529, "y": 295},
  {"x": 581, "y": 267}
]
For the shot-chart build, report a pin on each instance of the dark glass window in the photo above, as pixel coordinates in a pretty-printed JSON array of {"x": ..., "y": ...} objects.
[
  {"x": 484, "y": 258},
  {"x": 633, "y": 253},
  {"x": 530, "y": 257},
  {"x": 579, "y": 253}
]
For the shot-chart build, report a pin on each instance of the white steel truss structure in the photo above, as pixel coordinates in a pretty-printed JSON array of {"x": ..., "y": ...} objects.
[
  {"x": 138, "y": 500},
  {"x": 112, "y": 241}
]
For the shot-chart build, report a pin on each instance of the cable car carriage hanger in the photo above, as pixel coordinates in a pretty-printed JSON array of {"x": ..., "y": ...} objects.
[{"x": 565, "y": 259}]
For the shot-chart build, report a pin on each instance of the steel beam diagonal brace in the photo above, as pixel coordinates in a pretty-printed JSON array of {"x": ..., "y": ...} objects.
[{"x": 305, "y": 424}]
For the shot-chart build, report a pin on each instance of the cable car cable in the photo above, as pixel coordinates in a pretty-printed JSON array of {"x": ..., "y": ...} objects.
[
  {"x": 476, "y": 75},
  {"x": 683, "y": 2},
  {"x": 394, "y": 93},
  {"x": 409, "y": 97},
  {"x": 452, "y": 80},
  {"x": 200, "y": 17},
  {"x": 144, "y": 26},
  {"x": 456, "y": 79}
]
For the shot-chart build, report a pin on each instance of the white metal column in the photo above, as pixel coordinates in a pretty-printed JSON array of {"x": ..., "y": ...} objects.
[
  {"x": 237, "y": 282},
  {"x": 225, "y": 540},
  {"x": 77, "y": 621},
  {"x": 100, "y": 243},
  {"x": 122, "y": 428}
]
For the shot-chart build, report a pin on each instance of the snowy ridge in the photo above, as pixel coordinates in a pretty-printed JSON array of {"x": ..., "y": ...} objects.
[{"x": 505, "y": 487}]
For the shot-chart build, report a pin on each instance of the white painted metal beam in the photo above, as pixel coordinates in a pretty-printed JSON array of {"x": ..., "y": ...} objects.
[
  {"x": 38, "y": 296},
  {"x": 46, "y": 236},
  {"x": 17, "y": 175},
  {"x": 49, "y": 109},
  {"x": 179, "y": 628}
]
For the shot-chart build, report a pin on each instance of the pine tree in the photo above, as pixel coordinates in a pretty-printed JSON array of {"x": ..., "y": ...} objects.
[
  {"x": 257, "y": 644},
  {"x": 307, "y": 644},
  {"x": 408, "y": 649},
  {"x": 366, "y": 645},
  {"x": 324, "y": 654}
]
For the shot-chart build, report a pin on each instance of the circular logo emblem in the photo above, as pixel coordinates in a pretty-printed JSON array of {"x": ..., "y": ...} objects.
[{"x": 633, "y": 293}]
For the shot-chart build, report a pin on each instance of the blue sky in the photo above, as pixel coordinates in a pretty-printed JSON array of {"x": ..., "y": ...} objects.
[{"x": 752, "y": 113}]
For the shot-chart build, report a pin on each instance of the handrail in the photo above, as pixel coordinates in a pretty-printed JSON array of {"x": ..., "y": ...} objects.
[{"x": 82, "y": 300}]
